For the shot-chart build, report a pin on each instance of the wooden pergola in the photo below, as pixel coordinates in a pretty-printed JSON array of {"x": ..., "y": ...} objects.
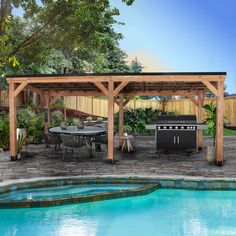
[{"x": 120, "y": 88}]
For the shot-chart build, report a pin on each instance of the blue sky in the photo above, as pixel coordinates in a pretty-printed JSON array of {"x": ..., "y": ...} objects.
[{"x": 181, "y": 35}]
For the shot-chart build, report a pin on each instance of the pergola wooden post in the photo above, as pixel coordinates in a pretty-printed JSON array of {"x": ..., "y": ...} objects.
[
  {"x": 47, "y": 109},
  {"x": 110, "y": 121},
  {"x": 14, "y": 91},
  {"x": 220, "y": 123},
  {"x": 12, "y": 115},
  {"x": 121, "y": 119},
  {"x": 199, "y": 117}
]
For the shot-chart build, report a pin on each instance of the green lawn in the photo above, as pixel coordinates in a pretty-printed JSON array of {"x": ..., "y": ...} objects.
[{"x": 226, "y": 132}]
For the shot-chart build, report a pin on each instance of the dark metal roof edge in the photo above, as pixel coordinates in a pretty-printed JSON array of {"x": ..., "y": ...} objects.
[{"x": 119, "y": 74}]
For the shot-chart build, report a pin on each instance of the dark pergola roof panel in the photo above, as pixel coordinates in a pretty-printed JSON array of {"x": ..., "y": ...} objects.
[{"x": 136, "y": 82}]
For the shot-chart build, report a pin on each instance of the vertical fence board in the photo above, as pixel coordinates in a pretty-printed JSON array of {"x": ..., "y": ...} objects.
[
  {"x": 180, "y": 106},
  {"x": 98, "y": 106}
]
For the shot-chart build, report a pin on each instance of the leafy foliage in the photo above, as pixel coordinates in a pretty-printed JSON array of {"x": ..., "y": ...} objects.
[
  {"x": 136, "y": 66},
  {"x": 57, "y": 118},
  {"x": 33, "y": 123},
  {"x": 61, "y": 37},
  {"x": 211, "y": 120},
  {"x": 74, "y": 121},
  {"x": 4, "y": 132},
  {"x": 136, "y": 119},
  {"x": 59, "y": 104}
]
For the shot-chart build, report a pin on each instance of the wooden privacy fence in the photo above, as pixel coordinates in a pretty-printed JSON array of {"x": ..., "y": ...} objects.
[{"x": 98, "y": 106}]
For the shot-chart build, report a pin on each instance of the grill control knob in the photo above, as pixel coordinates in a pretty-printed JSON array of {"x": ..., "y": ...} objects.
[
  {"x": 164, "y": 127},
  {"x": 182, "y": 127},
  {"x": 158, "y": 127},
  {"x": 176, "y": 127},
  {"x": 170, "y": 127}
]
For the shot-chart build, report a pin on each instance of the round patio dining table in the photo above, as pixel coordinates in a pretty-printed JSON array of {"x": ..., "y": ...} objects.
[{"x": 88, "y": 132}]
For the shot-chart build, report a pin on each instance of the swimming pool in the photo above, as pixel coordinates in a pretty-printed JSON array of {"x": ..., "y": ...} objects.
[{"x": 163, "y": 212}]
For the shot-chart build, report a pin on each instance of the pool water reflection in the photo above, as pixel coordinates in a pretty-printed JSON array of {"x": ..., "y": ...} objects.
[{"x": 163, "y": 212}]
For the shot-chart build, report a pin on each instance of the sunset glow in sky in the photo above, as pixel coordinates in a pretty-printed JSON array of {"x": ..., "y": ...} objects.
[{"x": 181, "y": 35}]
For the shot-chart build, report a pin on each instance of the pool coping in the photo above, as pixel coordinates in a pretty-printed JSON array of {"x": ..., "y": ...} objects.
[
  {"x": 144, "y": 189},
  {"x": 162, "y": 178},
  {"x": 150, "y": 184}
]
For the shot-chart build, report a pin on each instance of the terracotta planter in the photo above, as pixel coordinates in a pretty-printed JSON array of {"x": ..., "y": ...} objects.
[{"x": 211, "y": 154}]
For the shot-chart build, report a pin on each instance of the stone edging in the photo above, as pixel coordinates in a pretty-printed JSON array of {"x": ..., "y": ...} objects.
[
  {"x": 83, "y": 198},
  {"x": 150, "y": 184}
]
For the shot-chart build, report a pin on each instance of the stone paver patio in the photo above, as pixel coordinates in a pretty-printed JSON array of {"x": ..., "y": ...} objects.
[{"x": 143, "y": 162}]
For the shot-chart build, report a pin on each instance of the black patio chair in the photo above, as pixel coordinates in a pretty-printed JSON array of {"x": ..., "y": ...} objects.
[
  {"x": 72, "y": 142},
  {"x": 53, "y": 140}
]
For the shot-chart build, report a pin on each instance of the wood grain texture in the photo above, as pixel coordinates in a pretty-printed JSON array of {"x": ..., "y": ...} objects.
[
  {"x": 220, "y": 124},
  {"x": 110, "y": 121},
  {"x": 12, "y": 115}
]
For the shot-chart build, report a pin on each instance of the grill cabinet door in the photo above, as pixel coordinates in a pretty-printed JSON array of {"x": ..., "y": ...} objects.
[
  {"x": 186, "y": 139},
  {"x": 166, "y": 139}
]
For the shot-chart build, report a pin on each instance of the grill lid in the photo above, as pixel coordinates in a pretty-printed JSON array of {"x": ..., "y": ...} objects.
[{"x": 178, "y": 119}]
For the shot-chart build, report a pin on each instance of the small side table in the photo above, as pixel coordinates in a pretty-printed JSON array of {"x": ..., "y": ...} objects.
[{"x": 127, "y": 143}]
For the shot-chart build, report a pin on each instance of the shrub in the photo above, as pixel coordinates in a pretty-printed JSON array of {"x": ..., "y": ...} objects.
[
  {"x": 59, "y": 104},
  {"x": 33, "y": 123},
  {"x": 127, "y": 129},
  {"x": 57, "y": 118},
  {"x": 4, "y": 132},
  {"x": 136, "y": 119}
]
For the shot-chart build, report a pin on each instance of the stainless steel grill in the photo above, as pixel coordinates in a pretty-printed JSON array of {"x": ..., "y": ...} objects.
[{"x": 176, "y": 132}]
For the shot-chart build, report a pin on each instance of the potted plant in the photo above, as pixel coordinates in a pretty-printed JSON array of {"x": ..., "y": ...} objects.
[{"x": 211, "y": 123}]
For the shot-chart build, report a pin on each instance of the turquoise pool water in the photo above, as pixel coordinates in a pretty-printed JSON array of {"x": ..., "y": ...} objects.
[
  {"x": 164, "y": 212},
  {"x": 64, "y": 191}
]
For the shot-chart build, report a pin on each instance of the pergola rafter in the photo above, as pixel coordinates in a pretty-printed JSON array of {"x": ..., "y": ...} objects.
[{"x": 125, "y": 86}]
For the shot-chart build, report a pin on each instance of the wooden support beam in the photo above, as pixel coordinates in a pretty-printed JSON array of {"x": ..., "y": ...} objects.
[
  {"x": 110, "y": 122},
  {"x": 12, "y": 115},
  {"x": 127, "y": 100},
  {"x": 102, "y": 87},
  {"x": 116, "y": 101},
  {"x": 190, "y": 96},
  {"x": 121, "y": 120},
  {"x": 211, "y": 87},
  {"x": 47, "y": 109},
  {"x": 56, "y": 97},
  {"x": 20, "y": 88},
  {"x": 199, "y": 117},
  {"x": 118, "y": 78},
  {"x": 159, "y": 93},
  {"x": 219, "y": 124},
  {"x": 77, "y": 93},
  {"x": 120, "y": 87}
]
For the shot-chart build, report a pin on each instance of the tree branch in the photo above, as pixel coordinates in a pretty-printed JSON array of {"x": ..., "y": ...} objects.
[{"x": 33, "y": 38}]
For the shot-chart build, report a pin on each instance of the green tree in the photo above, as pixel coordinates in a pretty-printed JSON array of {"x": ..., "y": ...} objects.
[
  {"x": 136, "y": 66},
  {"x": 61, "y": 24}
]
